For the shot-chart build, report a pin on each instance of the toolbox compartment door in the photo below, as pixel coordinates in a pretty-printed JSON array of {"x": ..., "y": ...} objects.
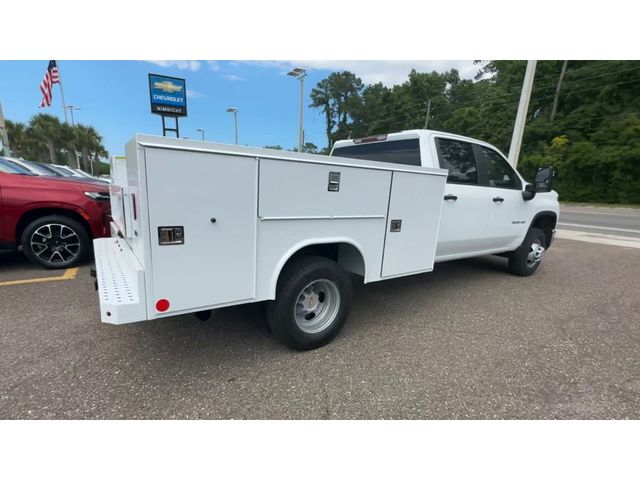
[
  {"x": 412, "y": 223},
  {"x": 211, "y": 198}
]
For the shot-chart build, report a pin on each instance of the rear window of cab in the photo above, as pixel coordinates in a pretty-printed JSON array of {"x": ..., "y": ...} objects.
[{"x": 405, "y": 152}]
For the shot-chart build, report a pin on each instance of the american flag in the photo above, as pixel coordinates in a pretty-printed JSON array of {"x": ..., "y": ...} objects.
[{"x": 50, "y": 77}]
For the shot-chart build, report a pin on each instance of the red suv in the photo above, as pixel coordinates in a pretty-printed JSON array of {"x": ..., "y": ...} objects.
[{"x": 54, "y": 219}]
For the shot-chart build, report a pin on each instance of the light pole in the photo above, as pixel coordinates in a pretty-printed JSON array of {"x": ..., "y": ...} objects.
[
  {"x": 299, "y": 73},
  {"x": 235, "y": 121},
  {"x": 201, "y": 130},
  {"x": 71, "y": 109}
]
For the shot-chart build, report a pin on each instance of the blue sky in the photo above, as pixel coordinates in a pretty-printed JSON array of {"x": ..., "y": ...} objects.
[{"x": 113, "y": 96}]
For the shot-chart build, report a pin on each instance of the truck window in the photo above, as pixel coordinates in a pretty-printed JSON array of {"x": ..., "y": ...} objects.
[
  {"x": 406, "y": 152},
  {"x": 499, "y": 172},
  {"x": 458, "y": 158}
]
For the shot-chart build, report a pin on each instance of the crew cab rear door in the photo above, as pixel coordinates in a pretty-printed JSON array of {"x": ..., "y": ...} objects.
[{"x": 465, "y": 209}]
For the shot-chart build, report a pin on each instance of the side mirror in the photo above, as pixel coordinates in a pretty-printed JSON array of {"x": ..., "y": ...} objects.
[
  {"x": 528, "y": 193},
  {"x": 543, "y": 181}
]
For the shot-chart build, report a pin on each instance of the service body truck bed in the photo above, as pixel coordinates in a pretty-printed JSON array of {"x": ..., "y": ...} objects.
[{"x": 198, "y": 226}]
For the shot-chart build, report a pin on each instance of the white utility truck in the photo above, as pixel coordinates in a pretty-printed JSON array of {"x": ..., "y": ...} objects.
[{"x": 198, "y": 226}]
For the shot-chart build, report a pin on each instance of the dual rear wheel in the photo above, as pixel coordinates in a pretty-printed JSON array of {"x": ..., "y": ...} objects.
[{"x": 313, "y": 298}]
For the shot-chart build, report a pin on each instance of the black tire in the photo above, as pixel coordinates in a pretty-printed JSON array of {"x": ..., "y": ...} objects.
[
  {"x": 519, "y": 262},
  {"x": 68, "y": 245},
  {"x": 316, "y": 273}
]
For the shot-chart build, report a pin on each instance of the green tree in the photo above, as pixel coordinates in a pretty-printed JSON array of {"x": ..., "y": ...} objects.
[
  {"x": 45, "y": 131},
  {"x": 339, "y": 97},
  {"x": 86, "y": 140},
  {"x": 18, "y": 138}
]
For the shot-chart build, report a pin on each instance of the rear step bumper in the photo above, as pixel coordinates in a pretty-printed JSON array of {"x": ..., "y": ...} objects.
[{"x": 120, "y": 281}]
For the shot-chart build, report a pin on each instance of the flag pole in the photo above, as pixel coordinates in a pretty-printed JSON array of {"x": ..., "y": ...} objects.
[{"x": 64, "y": 104}]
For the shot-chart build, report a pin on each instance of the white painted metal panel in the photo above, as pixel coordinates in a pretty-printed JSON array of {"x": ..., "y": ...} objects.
[
  {"x": 292, "y": 189},
  {"x": 216, "y": 263},
  {"x": 279, "y": 239},
  {"x": 416, "y": 200}
]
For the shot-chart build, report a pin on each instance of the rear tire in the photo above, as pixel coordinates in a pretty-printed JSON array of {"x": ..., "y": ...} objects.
[
  {"x": 55, "y": 241},
  {"x": 527, "y": 258},
  {"x": 312, "y": 303}
]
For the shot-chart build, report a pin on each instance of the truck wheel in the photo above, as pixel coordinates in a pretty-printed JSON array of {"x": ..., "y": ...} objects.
[
  {"x": 313, "y": 298},
  {"x": 526, "y": 259},
  {"x": 55, "y": 241}
]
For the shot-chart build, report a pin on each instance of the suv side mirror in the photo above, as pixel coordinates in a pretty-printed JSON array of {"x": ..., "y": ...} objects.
[{"x": 542, "y": 182}]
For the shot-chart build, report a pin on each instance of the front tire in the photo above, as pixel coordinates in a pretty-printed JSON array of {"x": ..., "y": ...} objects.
[
  {"x": 55, "y": 241},
  {"x": 312, "y": 303},
  {"x": 527, "y": 258}
]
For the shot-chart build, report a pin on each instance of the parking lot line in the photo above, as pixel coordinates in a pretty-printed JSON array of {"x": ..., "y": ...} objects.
[{"x": 69, "y": 274}]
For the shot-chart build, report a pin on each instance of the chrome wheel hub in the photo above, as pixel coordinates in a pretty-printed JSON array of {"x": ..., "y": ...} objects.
[
  {"x": 55, "y": 243},
  {"x": 535, "y": 254},
  {"x": 317, "y": 306}
]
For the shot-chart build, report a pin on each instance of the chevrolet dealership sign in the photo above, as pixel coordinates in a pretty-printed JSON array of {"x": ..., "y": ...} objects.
[{"x": 168, "y": 95}]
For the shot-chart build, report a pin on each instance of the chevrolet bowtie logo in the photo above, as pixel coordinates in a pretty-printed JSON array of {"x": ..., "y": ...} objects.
[{"x": 167, "y": 87}]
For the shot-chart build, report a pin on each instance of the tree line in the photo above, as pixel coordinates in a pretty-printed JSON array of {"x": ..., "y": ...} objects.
[
  {"x": 46, "y": 139},
  {"x": 583, "y": 118}
]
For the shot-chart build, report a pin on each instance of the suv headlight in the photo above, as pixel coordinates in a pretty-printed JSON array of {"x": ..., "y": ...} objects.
[{"x": 98, "y": 196}]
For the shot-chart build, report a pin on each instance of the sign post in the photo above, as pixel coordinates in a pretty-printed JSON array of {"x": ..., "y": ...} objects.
[{"x": 168, "y": 97}]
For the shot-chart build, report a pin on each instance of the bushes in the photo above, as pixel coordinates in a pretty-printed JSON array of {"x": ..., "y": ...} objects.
[{"x": 605, "y": 169}]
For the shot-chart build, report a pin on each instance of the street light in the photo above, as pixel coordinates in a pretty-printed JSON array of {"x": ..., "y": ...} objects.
[
  {"x": 299, "y": 73},
  {"x": 201, "y": 130},
  {"x": 235, "y": 121},
  {"x": 71, "y": 109}
]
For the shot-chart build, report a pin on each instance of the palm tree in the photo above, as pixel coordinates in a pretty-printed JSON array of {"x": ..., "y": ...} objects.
[
  {"x": 86, "y": 140},
  {"x": 46, "y": 132},
  {"x": 18, "y": 140}
]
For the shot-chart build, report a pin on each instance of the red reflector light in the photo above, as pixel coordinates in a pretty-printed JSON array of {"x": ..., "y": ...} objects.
[
  {"x": 162, "y": 305},
  {"x": 375, "y": 138}
]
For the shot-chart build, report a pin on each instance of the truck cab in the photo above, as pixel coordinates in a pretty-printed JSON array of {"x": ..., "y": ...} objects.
[{"x": 488, "y": 207}]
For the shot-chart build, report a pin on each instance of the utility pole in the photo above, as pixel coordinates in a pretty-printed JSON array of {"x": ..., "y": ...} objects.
[
  {"x": 521, "y": 116},
  {"x": 556, "y": 97},
  {"x": 426, "y": 120}
]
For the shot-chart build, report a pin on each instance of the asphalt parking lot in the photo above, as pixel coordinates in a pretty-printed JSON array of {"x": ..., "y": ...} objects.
[{"x": 467, "y": 341}]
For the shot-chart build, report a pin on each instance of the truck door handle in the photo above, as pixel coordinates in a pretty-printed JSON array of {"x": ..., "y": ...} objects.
[
  {"x": 451, "y": 197},
  {"x": 498, "y": 199}
]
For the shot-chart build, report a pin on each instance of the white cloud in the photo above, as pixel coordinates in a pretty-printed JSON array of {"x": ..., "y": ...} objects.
[
  {"x": 194, "y": 94},
  {"x": 213, "y": 65},
  {"x": 192, "y": 65},
  {"x": 234, "y": 78},
  {"x": 389, "y": 72}
]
